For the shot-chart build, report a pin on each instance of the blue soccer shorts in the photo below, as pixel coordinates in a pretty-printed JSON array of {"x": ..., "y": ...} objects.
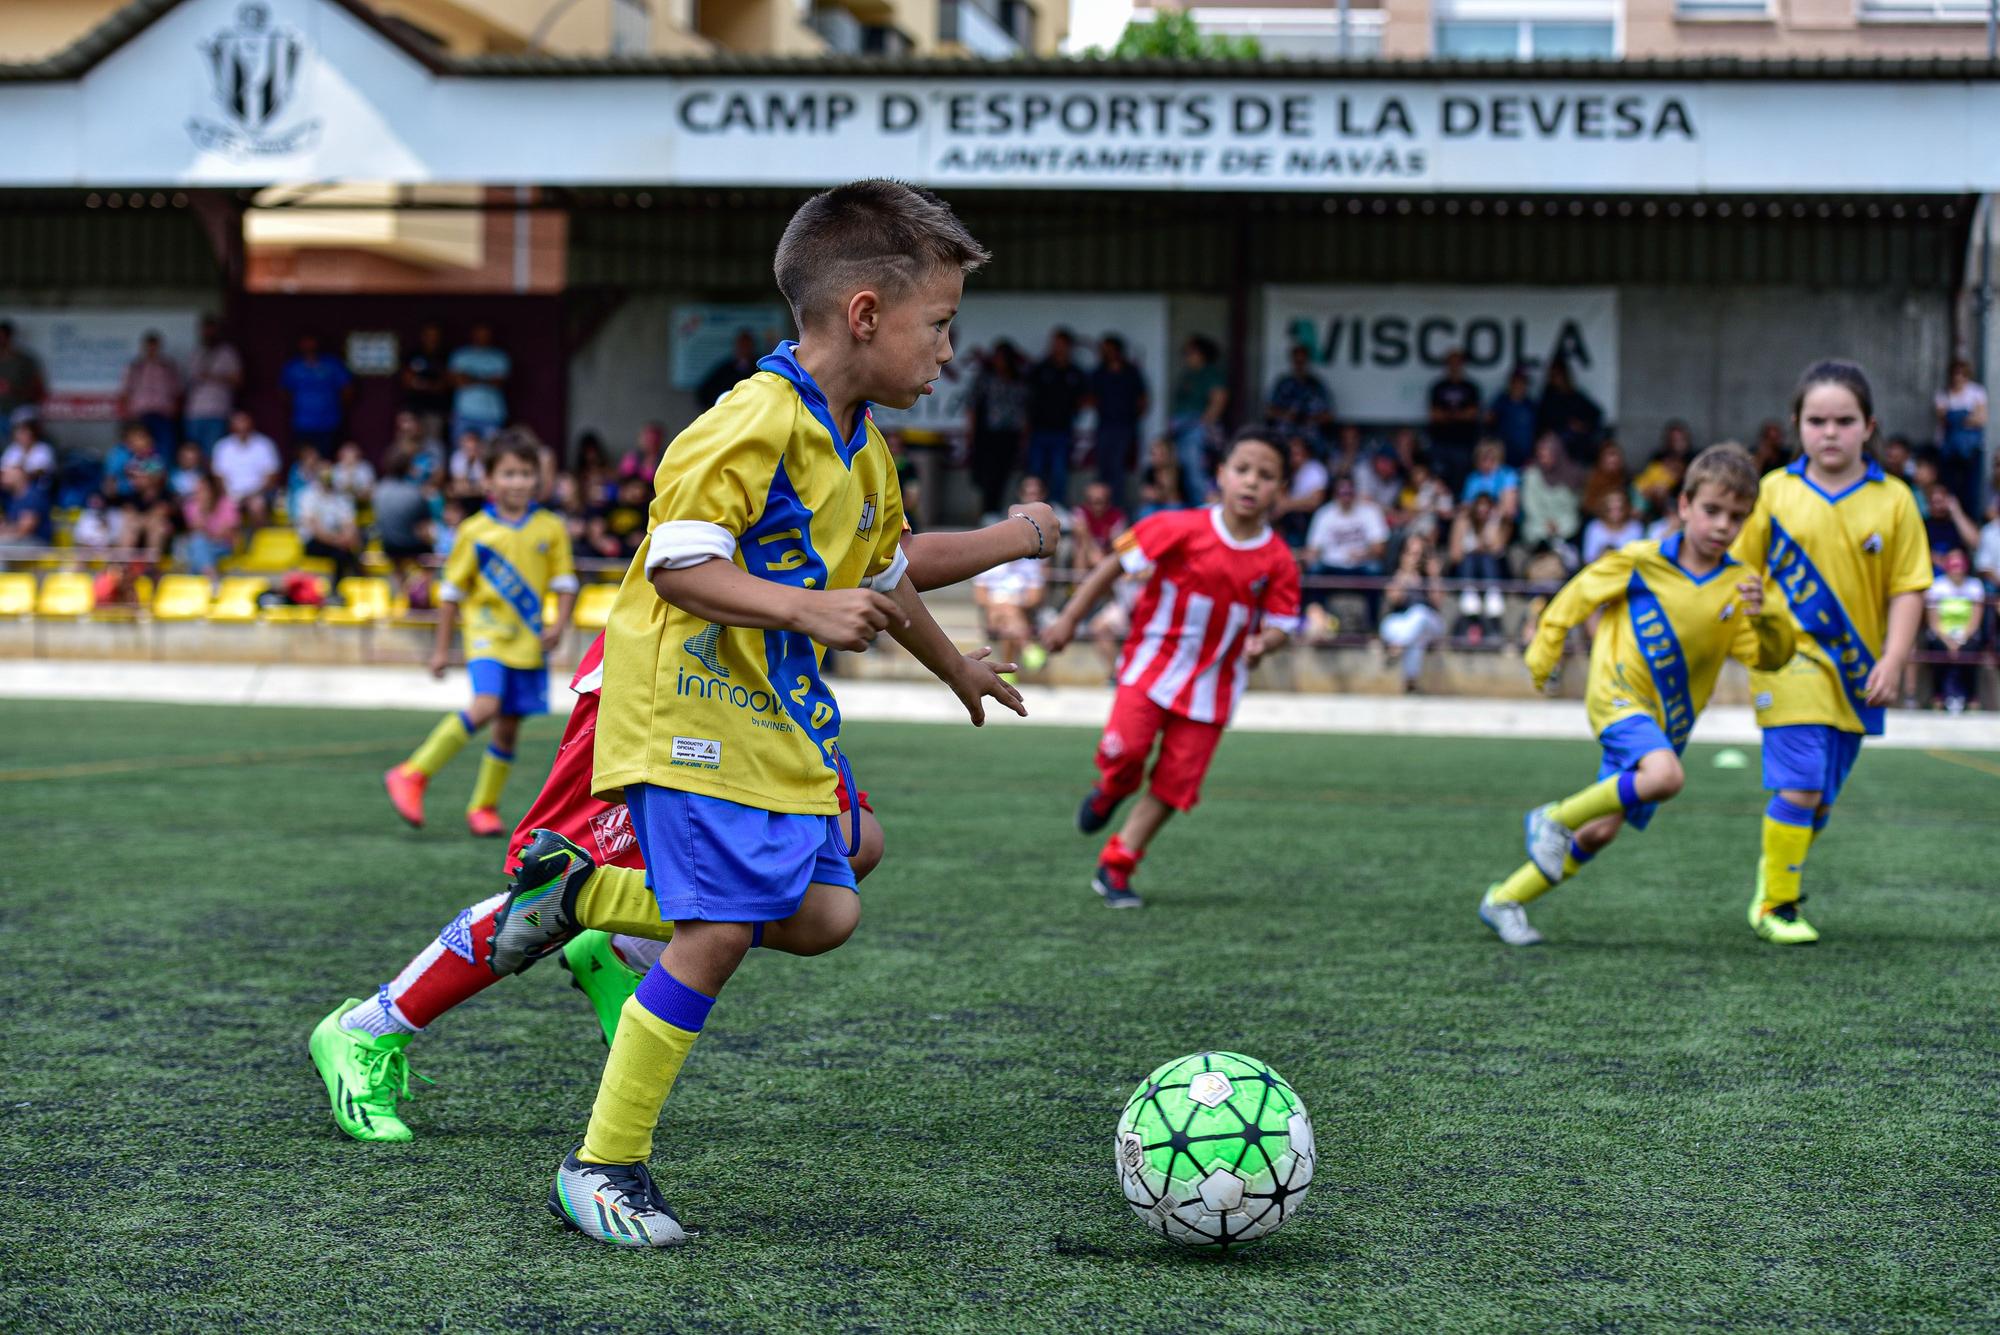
[
  {"x": 1810, "y": 758},
  {"x": 523, "y": 692},
  {"x": 1625, "y": 743},
  {"x": 714, "y": 860}
]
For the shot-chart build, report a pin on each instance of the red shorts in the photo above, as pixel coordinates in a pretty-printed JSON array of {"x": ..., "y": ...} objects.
[
  {"x": 565, "y": 804},
  {"x": 1186, "y": 747}
]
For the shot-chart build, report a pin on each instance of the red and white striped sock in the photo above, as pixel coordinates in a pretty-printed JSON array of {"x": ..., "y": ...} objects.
[{"x": 450, "y": 970}]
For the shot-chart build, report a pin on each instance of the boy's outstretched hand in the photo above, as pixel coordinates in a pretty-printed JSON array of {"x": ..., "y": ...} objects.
[
  {"x": 846, "y": 619},
  {"x": 1263, "y": 642},
  {"x": 976, "y": 680},
  {"x": 1058, "y": 633}
]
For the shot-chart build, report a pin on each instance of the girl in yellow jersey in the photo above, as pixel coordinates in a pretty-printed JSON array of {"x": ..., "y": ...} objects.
[{"x": 1843, "y": 541}]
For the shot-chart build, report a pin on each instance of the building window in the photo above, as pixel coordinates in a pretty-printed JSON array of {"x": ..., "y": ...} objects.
[
  {"x": 1923, "y": 11},
  {"x": 1723, "y": 9},
  {"x": 992, "y": 29},
  {"x": 1526, "y": 39}
]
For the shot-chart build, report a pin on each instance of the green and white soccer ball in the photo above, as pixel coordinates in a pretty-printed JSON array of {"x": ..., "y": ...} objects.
[{"x": 1215, "y": 1150}]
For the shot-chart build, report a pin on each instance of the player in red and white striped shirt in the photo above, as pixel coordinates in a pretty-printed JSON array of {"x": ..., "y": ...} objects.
[{"x": 1222, "y": 591}]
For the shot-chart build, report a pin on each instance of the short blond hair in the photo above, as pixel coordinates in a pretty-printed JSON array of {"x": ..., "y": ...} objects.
[{"x": 1728, "y": 466}]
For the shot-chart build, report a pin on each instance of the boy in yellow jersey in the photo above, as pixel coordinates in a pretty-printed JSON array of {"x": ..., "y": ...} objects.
[
  {"x": 1673, "y": 611},
  {"x": 504, "y": 563},
  {"x": 773, "y": 532},
  {"x": 1844, "y": 543}
]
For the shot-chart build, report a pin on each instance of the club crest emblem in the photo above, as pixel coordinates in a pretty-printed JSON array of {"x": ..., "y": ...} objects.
[
  {"x": 1872, "y": 544},
  {"x": 254, "y": 72},
  {"x": 867, "y": 524}
]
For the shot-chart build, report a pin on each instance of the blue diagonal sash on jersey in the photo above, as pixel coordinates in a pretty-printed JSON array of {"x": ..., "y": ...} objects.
[
  {"x": 1661, "y": 649},
  {"x": 515, "y": 591},
  {"x": 1819, "y": 611},
  {"x": 779, "y": 547}
]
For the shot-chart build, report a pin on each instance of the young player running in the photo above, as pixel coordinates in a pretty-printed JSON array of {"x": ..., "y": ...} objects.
[
  {"x": 1673, "y": 611},
  {"x": 504, "y": 563},
  {"x": 567, "y": 838},
  {"x": 1844, "y": 542},
  {"x": 1222, "y": 592}
]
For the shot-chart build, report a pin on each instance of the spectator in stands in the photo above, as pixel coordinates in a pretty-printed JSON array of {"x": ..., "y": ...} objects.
[
  {"x": 740, "y": 364},
  {"x": 150, "y": 394},
  {"x": 1961, "y": 433},
  {"x": 402, "y": 514},
  {"x": 1425, "y": 507},
  {"x": 190, "y": 465},
  {"x": 304, "y": 472},
  {"x": 1946, "y": 525},
  {"x": 1659, "y": 482},
  {"x": 478, "y": 373},
  {"x": 1898, "y": 461},
  {"x": 135, "y": 456},
  {"x": 150, "y": 516},
  {"x": 594, "y": 481},
  {"x": 1613, "y": 527},
  {"x": 1607, "y": 479},
  {"x": 318, "y": 388},
  {"x": 614, "y": 530},
  {"x": 466, "y": 469},
  {"x": 353, "y": 475},
  {"x": 1119, "y": 392},
  {"x": 1056, "y": 390},
  {"x": 1491, "y": 477},
  {"x": 1379, "y": 479},
  {"x": 1572, "y": 414},
  {"x": 1478, "y": 555},
  {"x": 426, "y": 382},
  {"x": 210, "y": 527},
  {"x": 1986, "y": 556},
  {"x": 247, "y": 465},
  {"x": 648, "y": 448},
  {"x": 1955, "y": 626},
  {"x": 1551, "y": 515},
  {"x": 1925, "y": 474},
  {"x": 1195, "y": 414},
  {"x": 215, "y": 373},
  {"x": 1770, "y": 450},
  {"x": 1415, "y": 599},
  {"x": 27, "y": 451},
  {"x": 1303, "y": 495},
  {"x": 1510, "y": 418},
  {"x": 1160, "y": 486},
  {"x": 997, "y": 424},
  {"x": 426, "y": 453},
  {"x": 324, "y": 516},
  {"x": 1099, "y": 521},
  {"x": 1669, "y": 521},
  {"x": 1346, "y": 541},
  {"x": 1454, "y": 415},
  {"x": 1009, "y": 595},
  {"x": 29, "y": 504},
  {"x": 100, "y": 526},
  {"x": 1301, "y": 404},
  {"x": 21, "y": 383}
]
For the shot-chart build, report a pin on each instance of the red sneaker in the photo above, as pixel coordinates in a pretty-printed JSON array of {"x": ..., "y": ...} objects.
[
  {"x": 406, "y": 793},
  {"x": 485, "y": 822}
]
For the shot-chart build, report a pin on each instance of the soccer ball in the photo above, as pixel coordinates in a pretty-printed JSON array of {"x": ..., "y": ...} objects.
[{"x": 1215, "y": 1151}]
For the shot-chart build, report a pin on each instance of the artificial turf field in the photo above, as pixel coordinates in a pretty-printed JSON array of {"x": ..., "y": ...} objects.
[{"x": 1655, "y": 1121}]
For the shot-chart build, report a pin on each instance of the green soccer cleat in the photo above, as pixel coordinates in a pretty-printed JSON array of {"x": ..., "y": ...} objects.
[
  {"x": 1782, "y": 926},
  {"x": 364, "y": 1074},
  {"x": 540, "y": 912},
  {"x": 614, "y": 1203},
  {"x": 605, "y": 980}
]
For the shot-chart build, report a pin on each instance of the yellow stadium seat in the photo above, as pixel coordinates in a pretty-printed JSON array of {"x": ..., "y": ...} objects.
[
  {"x": 67, "y": 593},
  {"x": 236, "y": 598},
  {"x": 181, "y": 598},
  {"x": 272, "y": 551},
  {"x": 593, "y": 606},
  {"x": 365, "y": 600},
  {"x": 17, "y": 594}
]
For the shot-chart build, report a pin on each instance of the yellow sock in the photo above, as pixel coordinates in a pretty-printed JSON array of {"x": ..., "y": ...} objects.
[
  {"x": 645, "y": 1057},
  {"x": 447, "y": 739},
  {"x": 1785, "y": 846},
  {"x": 1600, "y": 799},
  {"x": 616, "y": 899},
  {"x": 494, "y": 767},
  {"x": 1526, "y": 885}
]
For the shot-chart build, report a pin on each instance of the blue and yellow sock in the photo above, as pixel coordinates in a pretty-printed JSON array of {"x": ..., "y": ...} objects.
[
  {"x": 447, "y": 739},
  {"x": 656, "y": 1030},
  {"x": 494, "y": 767},
  {"x": 1606, "y": 797},
  {"x": 1788, "y": 834},
  {"x": 1527, "y": 884}
]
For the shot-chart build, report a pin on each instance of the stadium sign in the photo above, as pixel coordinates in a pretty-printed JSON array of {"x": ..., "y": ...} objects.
[{"x": 216, "y": 92}]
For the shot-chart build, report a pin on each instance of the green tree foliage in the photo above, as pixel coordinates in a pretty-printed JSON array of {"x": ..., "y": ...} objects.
[{"x": 1171, "y": 34}]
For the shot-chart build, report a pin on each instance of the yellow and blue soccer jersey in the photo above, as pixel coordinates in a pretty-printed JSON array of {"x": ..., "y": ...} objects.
[
  {"x": 1838, "y": 559},
  {"x": 763, "y": 480},
  {"x": 501, "y": 573},
  {"x": 1663, "y": 637}
]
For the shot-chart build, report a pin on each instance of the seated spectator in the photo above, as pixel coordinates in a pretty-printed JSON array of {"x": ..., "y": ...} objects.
[
  {"x": 1924, "y": 475},
  {"x": 1301, "y": 404},
  {"x": 595, "y": 481},
  {"x": 1490, "y": 476},
  {"x": 614, "y": 531},
  {"x": 1479, "y": 539},
  {"x": 210, "y": 527},
  {"x": 246, "y": 463},
  {"x": 402, "y": 514},
  {"x": 1349, "y": 447},
  {"x": 99, "y": 527},
  {"x": 324, "y": 517},
  {"x": 134, "y": 456},
  {"x": 424, "y": 451},
  {"x": 1379, "y": 480},
  {"x": 1659, "y": 482},
  {"x": 150, "y": 517},
  {"x": 1347, "y": 540},
  {"x": 644, "y": 460},
  {"x": 353, "y": 475},
  {"x": 304, "y": 472},
  {"x": 1986, "y": 557},
  {"x": 1955, "y": 626},
  {"x": 1551, "y": 515},
  {"x": 1304, "y": 494},
  {"x": 1415, "y": 599},
  {"x": 1571, "y": 414},
  {"x": 1425, "y": 506},
  {"x": 466, "y": 469},
  {"x": 1606, "y": 478},
  {"x": 29, "y": 503},
  {"x": 1669, "y": 523},
  {"x": 190, "y": 466},
  {"x": 1897, "y": 459},
  {"x": 1160, "y": 480},
  {"x": 27, "y": 451},
  {"x": 1612, "y": 529},
  {"x": 1945, "y": 524},
  {"x": 1009, "y": 595},
  {"x": 1099, "y": 521}
]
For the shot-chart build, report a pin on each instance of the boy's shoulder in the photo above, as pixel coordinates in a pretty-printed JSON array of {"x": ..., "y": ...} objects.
[{"x": 760, "y": 410}]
